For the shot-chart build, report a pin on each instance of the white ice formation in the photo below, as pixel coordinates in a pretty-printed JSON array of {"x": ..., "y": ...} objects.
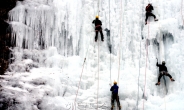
[{"x": 53, "y": 37}]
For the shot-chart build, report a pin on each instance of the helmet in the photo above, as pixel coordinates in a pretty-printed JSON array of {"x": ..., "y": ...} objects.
[
  {"x": 163, "y": 62},
  {"x": 97, "y": 16},
  {"x": 115, "y": 82}
]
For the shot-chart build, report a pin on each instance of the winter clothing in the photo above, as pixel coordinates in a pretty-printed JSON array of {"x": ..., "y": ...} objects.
[
  {"x": 149, "y": 14},
  {"x": 161, "y": 67},
  {"x": 98, "y": 27},
  {"x": 163, "y": 71},
  {"x": 149, "y": 9},
  {"x": 115, "y": 96},
  {"x": 97, "y": 22},
  {"x": 114, "y": 89}
]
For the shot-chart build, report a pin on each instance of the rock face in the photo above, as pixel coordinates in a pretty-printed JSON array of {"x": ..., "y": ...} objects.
[{"x": 5, "y": 38}]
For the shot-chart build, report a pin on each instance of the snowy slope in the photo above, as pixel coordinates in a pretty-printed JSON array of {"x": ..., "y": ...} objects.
[{"x": 53, "y": 38}]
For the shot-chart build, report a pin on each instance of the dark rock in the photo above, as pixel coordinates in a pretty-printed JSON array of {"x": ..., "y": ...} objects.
[{"x": 5, "y": 33}]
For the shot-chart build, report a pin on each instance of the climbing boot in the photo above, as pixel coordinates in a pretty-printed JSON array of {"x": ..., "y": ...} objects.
[
  {"x": 120, "y": 107},
  {"x": 156, "y": 19},
  {"x": 145, "y": 23},
  {"x": 172, "y": 79},
  {"x": 112, "y": 107},
  {"x": 158, "y": 83}
]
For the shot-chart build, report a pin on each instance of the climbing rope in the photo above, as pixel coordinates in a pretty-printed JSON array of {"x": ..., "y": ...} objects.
[
  {"x": 98, "y": 77},
  {"x": 80, "y": 80},
  {"x": 120, "y": 43},
  {"x": 110, "y": 40},
  {"x": 139, "y": 77},
  {"x": 98, "y": 7},
  {"x": 98, "y": 59},
  {"x": 146, "y": 65},
  {"x": 81, "y": 75},
  {"x": 161, "y": 39},
  {"x": 165, "y": 92},
  {"x": 140, "y": 54},
  {"x": 94, "y": 9}
]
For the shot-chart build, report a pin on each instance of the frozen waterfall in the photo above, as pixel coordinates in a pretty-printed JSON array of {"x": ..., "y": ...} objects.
[{"x": 53, "y": 37}]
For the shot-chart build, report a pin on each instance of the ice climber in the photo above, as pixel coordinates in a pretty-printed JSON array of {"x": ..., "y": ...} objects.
[
  {"x": 115, "y": 96},
  {"x": 149, "y": 9},
  {"x": 98, "y": 27},
  {"x": 163, "y": 71}
]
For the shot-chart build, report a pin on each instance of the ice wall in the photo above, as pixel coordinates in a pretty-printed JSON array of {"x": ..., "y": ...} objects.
[
  {"x": 59, "y": 33},
  {"x": 42, "y": 24}
]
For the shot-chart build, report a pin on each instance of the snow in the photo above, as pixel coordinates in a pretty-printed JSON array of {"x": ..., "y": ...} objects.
[{"x": 53, "y": 38}]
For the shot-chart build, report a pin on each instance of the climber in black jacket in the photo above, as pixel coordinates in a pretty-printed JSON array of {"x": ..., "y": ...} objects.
[
  {"x": 149, "y": 9},
  {"x": 163, "y": 71},
  {"x": 98, "y": 27}
]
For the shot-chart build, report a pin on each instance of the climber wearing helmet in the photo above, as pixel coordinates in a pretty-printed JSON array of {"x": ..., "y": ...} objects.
[
  {"x": 115, "y": 96},
  {"x": 149, "y": 9},
  {"x": 163, "y": 71},
  {"x": 98, "y": 27}
]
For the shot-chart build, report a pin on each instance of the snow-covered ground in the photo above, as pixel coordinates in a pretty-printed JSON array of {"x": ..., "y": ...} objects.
[{"x": 53, "y": 38}]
